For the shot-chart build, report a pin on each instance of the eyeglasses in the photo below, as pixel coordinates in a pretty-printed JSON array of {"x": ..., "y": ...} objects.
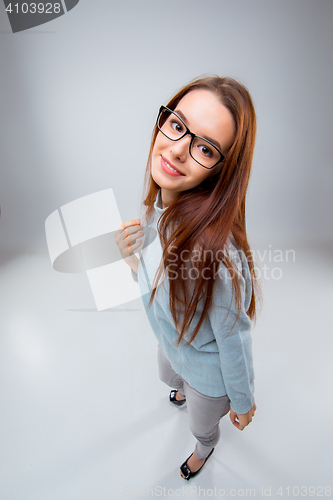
[{"x": 201, "y": 149}]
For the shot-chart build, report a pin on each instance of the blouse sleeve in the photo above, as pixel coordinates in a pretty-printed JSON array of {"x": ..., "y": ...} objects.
[{"x": 232, "y": 331}]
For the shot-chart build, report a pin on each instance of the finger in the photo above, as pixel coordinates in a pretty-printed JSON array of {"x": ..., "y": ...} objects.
[
  {"x": 131, "y": 238},
  {"x": 238, "y": 425},
  {"x": 232, "y": 415},
  {"x": 129, "y": 223},
  {"x": 247, "y": 420},
  {"x": 128, "y": 235},
  {"x": 234, "y": 418},
  {"x": 131, "y": 243},
  {"x": 130, "y": 232},
  {"x": 242, "y": 423},
  {"x": 128, "y": 242},
  {"x": 136, "y": 245}
]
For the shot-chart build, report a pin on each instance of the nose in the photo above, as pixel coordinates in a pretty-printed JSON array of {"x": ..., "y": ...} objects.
[{"x": 180, "y": 149}]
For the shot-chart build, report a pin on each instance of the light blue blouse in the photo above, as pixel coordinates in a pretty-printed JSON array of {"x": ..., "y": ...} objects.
[{"x": 219, "y": 359}]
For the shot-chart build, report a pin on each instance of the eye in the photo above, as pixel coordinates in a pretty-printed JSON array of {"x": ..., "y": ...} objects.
[
  {"x": 176, "y": 126},
  {"x": 205, "y": 150}
]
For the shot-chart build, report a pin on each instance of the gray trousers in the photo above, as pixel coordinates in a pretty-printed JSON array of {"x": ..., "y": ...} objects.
[{"x": 204, "y": 412}]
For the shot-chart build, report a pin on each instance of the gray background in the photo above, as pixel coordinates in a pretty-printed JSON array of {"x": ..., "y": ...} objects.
[
  {"x": 79, "y": 97},
  {"x": 83, "y": 413}
]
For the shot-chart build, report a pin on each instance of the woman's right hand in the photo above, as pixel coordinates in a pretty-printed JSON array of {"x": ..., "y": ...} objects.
[
  {"x": 242, "y": 420},
  {"x": 126, "y": 236}
]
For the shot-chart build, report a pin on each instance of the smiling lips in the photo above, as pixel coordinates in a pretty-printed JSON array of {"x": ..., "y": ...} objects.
[{"x": 169, "y": 168}]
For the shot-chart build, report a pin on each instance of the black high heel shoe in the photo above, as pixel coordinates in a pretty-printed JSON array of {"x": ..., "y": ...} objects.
[
  {"x": 187, "y": 471},
  {"x": 172, "y": 398}
]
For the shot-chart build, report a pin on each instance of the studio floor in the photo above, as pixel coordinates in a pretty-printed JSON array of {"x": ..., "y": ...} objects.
[{"x": 84, "y": 415}]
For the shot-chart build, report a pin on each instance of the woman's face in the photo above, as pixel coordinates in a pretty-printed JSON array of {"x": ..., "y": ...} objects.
[{"x": 204, "y": 115}]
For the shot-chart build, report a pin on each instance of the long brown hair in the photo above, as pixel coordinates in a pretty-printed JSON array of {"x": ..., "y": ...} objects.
[{"x": 206, "y": 216}]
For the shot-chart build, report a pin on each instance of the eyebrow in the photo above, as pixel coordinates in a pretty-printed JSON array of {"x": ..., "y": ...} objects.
[{"x": 213, "y": 141}]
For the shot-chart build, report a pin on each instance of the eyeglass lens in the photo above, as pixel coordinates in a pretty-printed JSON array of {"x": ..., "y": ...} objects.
[{"x": 173, "y": 128}]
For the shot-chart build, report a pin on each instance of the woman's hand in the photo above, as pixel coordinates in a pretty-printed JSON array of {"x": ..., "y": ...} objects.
[
  {"x": 125, "y": 237},
  {"x": 242, "y": 420}
]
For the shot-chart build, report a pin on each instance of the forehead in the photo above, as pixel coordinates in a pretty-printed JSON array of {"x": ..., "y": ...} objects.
[{"x": 205, "y": 114}]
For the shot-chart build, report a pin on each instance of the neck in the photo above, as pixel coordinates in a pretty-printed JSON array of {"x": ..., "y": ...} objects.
[{"x": 166, "y": 197}]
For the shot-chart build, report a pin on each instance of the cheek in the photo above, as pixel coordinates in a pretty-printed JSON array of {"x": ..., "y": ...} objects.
[
  {"x": 200, "y": 174},
  {"x": 161, "y": 142},
  {"x": 157, "y": 143}
]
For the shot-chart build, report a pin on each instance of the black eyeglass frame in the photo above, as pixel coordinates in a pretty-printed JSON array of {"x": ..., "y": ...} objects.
[{"x": 193, "y": 136}]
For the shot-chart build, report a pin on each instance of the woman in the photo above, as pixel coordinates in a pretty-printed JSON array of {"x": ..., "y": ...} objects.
[{"x": 197, "y": 277}]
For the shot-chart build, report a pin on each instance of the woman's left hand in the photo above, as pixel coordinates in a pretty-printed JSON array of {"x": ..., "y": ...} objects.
[{"x": 242, "y": 420}]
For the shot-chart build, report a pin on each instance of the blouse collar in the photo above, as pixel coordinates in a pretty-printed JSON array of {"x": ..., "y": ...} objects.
[{"x": 158, "y": 204}]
